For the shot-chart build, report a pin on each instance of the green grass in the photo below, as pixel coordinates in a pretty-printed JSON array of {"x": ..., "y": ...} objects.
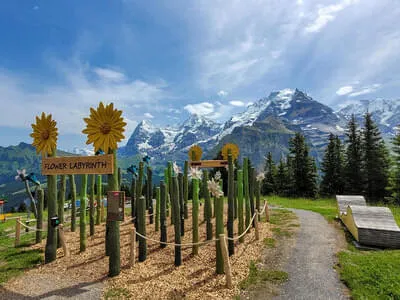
[
  {"x": 257, "y": 276},
  {"x": 117, "y": 293},
  {"x": 371, "y": 275},
  {"x": 278, "y": 231},
  {"x": 269, "y": 242},
  {"x": 325, "y": 207},
  {"x": 368, "y": 274}
]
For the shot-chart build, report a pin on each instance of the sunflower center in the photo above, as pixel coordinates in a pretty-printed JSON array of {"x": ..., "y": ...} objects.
[
  {"x": 105, "y": 128},
  {"x": 45, "y": 134}
]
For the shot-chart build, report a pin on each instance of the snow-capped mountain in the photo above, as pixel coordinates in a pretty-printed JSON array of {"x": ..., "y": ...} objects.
[
  {"x": 266, "y": 125},
  {"x": 158, "y": 142},
  {"x": 294, "y": 108},
  {"x": 82, "y": 151},
  {"x": 386, "y": 113}
]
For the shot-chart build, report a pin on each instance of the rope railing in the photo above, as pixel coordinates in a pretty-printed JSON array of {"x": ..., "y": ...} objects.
[{"x": 29, "y": 227}]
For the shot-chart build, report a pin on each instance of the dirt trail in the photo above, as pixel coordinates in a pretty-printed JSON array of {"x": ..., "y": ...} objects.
[{"x": 311, "y": 264}]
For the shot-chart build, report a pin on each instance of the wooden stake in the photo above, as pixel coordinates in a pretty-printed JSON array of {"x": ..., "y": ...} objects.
[
  {"x": 266, "y": 211},
  {"x": 227, "y": 264},
  {"x": 257, "y": 233},
  {"x": 17, "y": 231},
  {"x": 62, "y": 240},
  {"x": 132, "y": 247}
]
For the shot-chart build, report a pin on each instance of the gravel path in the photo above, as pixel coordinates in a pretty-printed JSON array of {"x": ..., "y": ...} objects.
[{"x": 310, "y": 265}]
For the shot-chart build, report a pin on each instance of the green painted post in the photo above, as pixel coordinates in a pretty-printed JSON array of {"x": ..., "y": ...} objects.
[
  {"x": 91, "y": 204},
  {"x": 114, "y": 262},
  {"x": 149, "y": 194},
  {"x": 258, "y": 197},
  {"x": 72, "y": 187},
  {"x": 141, "y": 215},
  {"x": 61, "y": 201},
  {"x": 82, "y": 214},
  {"x": 240, "y": 204},
  {"x": 170, "y": 190},
  {"x": 133, "y": 199},
  {"x": 166, "y": 179},
  {"x": 98, "y": 199},
  {"x": 181, "y": 204},
  {"x": 157, "y": 222},
  {"x": 246, "y": 190},
  {"x": 231, "y": 204},
  {"x": 251, "y": 187},
  {"x": 139, "y": 187},
  {"x": 207, "y": 210},
  {"x": 186, "y": 188},
  {"x": 195, "y": 215},
  {"x": 235, "y": 199},
  {"x": 219, "y": 229},
  {"x": 163, "y": 214},
  {"x": 40, "y": 198},
  {"x": 177, "y": 217},
  {"x": 50, "y": 253}
]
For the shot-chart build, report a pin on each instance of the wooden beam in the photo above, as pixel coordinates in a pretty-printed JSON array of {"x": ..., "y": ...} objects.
[{"x": 208, "y": 163}]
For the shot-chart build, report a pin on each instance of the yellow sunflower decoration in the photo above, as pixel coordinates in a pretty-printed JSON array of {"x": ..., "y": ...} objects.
[
  {"x": 44, "y": 134},
  {"x": 233, "y": 148},
  {"x": 195, "y": 153},
  {"x": 104, "y": 127}
]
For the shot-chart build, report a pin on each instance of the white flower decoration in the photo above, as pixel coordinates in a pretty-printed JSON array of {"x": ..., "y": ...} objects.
[
  {"x": 260, "y": 176},
  {"x": 195, "y": 173},
  {"x": 214, "y": 188},
  {"x": 21, "y": 175},
  {"x": 217, "y": 176},
  {"x": 176, "y": 168}
]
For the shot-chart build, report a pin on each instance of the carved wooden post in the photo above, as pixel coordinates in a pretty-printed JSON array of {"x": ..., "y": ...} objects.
[
  {"x": 227, "y": 264},
  {"x": 62, "y": 239},
  {"x": 132, "y": 247},
  {"x": 257, "y": 233}
]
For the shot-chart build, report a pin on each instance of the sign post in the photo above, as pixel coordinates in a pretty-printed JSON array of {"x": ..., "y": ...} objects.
[
  {"x": 209, "y": 163},
  {"x": 115, "y": 205},
  {"x": 68, "y": 165}
]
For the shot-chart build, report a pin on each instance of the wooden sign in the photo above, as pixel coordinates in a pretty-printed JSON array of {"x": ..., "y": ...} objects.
[
  {"x": 115, "y": 206},
  {"x": 99, "y": 164},
  {"x": 208, "y": 163}
]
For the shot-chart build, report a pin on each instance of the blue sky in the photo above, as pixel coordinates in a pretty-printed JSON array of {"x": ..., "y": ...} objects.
[{"x": 161, "y": 60}]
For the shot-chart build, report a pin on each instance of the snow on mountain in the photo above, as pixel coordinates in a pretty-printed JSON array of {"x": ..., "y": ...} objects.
[
  {"x": 82, "y": 151},
  {"x": 386, "y": 113}
]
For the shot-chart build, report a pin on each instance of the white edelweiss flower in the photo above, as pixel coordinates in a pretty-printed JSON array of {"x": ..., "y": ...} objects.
[
  {"x": 176, "y": 168},
  {"x": 21, "y": 175},
  {"x": 195, "y": 173},
  {"x": 214, "y": 188},
  {"x": 217, "y": 176},
  {"x": 260, "y": 176}
]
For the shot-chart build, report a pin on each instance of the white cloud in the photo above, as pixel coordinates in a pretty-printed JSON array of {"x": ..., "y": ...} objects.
[
  {"x": 344, "y": 90},
  {"x": 327, "y": 14},
  {"x": 299, "y": 2},
  {"x": 366, "y": 90},
  {"x": 148, "y": 115},
  {"x": 237, "y": 103},
  {"x": 108, "y": 74},
  {"x": 222, "y": 93},
  {"x": 203, "y": 108},
  {"x": 70, "y": 99}
]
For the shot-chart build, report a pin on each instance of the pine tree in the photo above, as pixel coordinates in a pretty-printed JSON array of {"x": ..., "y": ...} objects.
[
  {"x": 332, "y": 167},
  {"x": 353, "y": 166},
  {"x": 394, "y": 186},
  {"x": 375, "y": 157},
  {"x": 304, "y": 170},
  {"x": 268, "y": 185},
  {"x": 281, "y": 175}
]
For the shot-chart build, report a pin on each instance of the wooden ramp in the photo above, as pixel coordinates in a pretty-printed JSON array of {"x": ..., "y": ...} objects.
[
  {"x": 372, "y": 225},
  {"x": 345, "y": 200}
]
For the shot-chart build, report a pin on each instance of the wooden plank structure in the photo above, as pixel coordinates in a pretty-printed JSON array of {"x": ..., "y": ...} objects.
[
  {"x": 369, "y": 225},
  {"x": 345, "y": 200}
]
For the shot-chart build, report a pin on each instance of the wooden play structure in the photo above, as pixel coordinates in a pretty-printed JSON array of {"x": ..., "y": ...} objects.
[{"x": 369, "y": 225}]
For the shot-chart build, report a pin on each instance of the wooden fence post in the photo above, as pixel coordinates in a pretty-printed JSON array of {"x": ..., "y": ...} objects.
[
  {"x": 132, "y": 247},
  {"x": 266, "y": 211},
  {"x": 17, "y": 231},
  {"x": 62, "y": 240},
  {"x": 227, "y": 264},
  {"x": 257, "y": 233}
]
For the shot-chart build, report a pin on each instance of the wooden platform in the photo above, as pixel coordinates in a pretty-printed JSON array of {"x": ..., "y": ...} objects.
[
  {"x": 369, "y": 225},
  {"x": 345, "y": 200}
]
